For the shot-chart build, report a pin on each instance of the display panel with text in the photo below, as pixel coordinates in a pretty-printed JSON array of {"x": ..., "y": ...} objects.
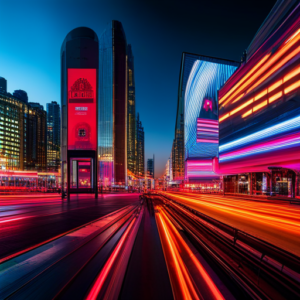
[{"x": 82, "y": 109}]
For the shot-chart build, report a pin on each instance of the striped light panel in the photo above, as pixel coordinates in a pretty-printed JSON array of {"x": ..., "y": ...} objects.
[
  {"x": 199, "y": 169},
  {"x": 207, "y": 131},
  {"x": 280, "y": 136},
  {"x": 205, "y": 78}
]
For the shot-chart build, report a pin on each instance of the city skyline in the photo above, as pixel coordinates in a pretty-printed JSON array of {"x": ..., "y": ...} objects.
[{"x": 157, "y": 50}]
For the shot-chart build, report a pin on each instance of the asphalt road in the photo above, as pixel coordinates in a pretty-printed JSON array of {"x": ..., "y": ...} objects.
[{"x": 28, "y": 220}]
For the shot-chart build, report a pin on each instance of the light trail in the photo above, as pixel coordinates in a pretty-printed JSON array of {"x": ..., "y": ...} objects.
[
  {"x": 278, "y": 224},
  {"x": 96, "y": 288},
  {"x": 209, "y": 284},
  {"x": 181, "y": 282},
  {"x": 14, "y": 219}
]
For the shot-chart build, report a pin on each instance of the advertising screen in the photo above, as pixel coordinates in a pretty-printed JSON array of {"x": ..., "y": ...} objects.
[{"x": 82, "y": 109}]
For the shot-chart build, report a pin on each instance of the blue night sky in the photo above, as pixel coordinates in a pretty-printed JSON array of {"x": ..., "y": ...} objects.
[{"x": 159, "y": 31}]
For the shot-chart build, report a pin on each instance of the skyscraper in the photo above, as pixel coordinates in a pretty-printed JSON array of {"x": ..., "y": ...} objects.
[
  {"x": 131, "y": 123},
  {"x": 53, "y": 136},
  {"x": 36, "y": 138},
  {"x": 150, "y": 168},
  {"x": 140, "y": 148},
  {"x": 112, "y": 112}
]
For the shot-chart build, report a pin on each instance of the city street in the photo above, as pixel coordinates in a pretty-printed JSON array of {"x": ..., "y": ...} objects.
[{"x": 123, "y": 247}]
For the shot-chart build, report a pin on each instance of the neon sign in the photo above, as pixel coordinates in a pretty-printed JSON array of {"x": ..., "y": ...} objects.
[{"x": 82, "y": 109}]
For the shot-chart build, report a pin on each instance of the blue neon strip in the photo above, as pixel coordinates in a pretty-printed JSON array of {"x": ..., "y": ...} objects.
[{"x": 263, "y": 134}]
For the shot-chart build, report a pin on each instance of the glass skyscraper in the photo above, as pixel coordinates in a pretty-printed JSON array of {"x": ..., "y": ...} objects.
[
  {"x": 140, "y": 148},
  {"x": 53, "y": 136},
  {"x": 131, "y": 122},
  {"x": 112, "y": 108}
]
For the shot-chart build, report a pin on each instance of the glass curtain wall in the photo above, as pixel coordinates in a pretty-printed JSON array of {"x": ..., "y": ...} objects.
[{"x": 105, "y": 109}]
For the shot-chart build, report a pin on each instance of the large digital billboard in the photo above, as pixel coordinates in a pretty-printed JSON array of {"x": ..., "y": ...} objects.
[{"x": 82, "y": 109}]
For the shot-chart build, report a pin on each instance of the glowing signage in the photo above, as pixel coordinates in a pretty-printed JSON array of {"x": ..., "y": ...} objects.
[
  {"x": 207, "y": 131},
  {"x": 82, "y": 109}
]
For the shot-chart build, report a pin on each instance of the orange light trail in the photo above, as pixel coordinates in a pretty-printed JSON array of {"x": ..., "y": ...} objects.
[
  {"x": 278, "y": 224},
  {"x": 214, "y": 291},
  {"x": 182, "y": 285},
  {"x": 247, "y": 81}
]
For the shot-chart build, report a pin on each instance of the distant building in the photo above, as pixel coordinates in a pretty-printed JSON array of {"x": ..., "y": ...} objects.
[
  {"x": 22, "y": 134},
  {"x": 131, "y": 122},
  {"x": 36, "y": 138},
  {"x": 53, "y": 136},
  {"x": 3, "y": 85},
  {"x": 112, "y": 112},
  {"x": 150, "y": 168},
  {"x": 22, "y": 95},
  {"x": 140, "y": 149},
  {"x": 12, "y": 130}
]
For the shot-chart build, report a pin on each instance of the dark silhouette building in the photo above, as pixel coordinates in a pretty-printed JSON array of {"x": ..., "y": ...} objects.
[
  {"x": 35, "y": 138},
  {"x": 150, "y": 168},
  {"x": 53, "y": 136},
  {"x": 131, "y": 122},
  {"x": 140, "y": 149},
  {"x": 3, "y": 84},
  {"x": 22, "y": 95}
]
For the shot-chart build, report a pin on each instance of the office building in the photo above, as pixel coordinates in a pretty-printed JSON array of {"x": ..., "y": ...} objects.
[
  {"x": 259, "y": 111},
  {"x": 35, "y": 138},
  {"x": 140, "y": 149},
  {"x": 53, "y": 136},
  {"x": 12, "y": 122},
  {"x": 150, "y": 168},
  {"x": 22, "y": 134},
  {"x": 131, "y": 122},
  {"x": 112, "y": 112}
]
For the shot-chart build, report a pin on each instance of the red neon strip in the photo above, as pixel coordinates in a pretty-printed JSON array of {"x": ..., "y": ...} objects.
[{"x": 93, "y": 294}]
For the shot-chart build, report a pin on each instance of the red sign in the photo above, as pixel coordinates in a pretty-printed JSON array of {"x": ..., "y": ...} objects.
[{"x": 82, "y": 109}]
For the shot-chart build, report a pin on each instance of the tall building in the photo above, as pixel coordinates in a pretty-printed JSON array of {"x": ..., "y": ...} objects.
[
  {"x": 259, "y": 111},
  {"x": 131, "y": 122},
  {"x": 112, "y": 108},
  {"x": 197, "y": 130},
  {"x": 150, "y": 168},
  {"x": 12, "y": 132},
  {"x": 22, "y": 95},
  {"x": 140, "y": 149},
  {"x": 3, "y": 85},
  {"x": 22, "y": 134},
  {"x": 53, "y": 136},
  {"x": 35, "y": 138}
]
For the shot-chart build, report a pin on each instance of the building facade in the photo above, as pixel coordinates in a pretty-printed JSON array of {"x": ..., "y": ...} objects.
[
  {"x": 140, "y": 148},
  {"x": 259, "y": 111},
  {"x": 36, "y": 138},
  {"x": 22, "y": 134},
  {"x": 112, "y": 112},
  {"x": 195, "y": 147},
  {"x": 131, "y": 119},
  {"x": 53, "y": 136}
]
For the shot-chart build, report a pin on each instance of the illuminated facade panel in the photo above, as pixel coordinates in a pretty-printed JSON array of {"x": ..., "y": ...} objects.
[
  {"x": 259, "y": 108},
  {"x": 203, "y": 77}
]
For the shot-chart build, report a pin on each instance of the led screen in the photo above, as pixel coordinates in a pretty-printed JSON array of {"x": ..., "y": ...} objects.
[{"x": 82, "y": 109}]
